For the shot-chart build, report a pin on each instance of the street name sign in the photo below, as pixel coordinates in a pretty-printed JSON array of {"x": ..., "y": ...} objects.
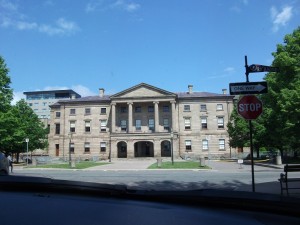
[
  {"x": 255, "y": 68},
  {"x": 249, "y": 107},
  {"x": 246, "y": 88}
]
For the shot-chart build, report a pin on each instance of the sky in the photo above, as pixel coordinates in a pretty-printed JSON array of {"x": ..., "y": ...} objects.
[{"x": 117, "y": 44}]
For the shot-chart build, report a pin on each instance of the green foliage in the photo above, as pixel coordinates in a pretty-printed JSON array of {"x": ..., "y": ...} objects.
[{"x": 6, "y": 93}]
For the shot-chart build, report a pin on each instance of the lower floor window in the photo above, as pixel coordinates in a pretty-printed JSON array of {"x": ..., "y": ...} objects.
[
  {"x": 222, "y": 144},
  {"x": 87, "y": 147},
  {"x": 102, "y": 147},
  {"x": 72, "y": 149},
  {"x": 188, "y": 145},
  {"x": 204, "y": 144}
]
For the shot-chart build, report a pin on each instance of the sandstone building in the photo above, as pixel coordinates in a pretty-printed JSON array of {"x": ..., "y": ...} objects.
[{"x": 141, "y": 121}]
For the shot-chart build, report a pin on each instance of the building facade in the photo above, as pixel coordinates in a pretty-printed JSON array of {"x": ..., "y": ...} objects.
[
  {"x": 141, "y": 121},
  {"x": 39, "y": 101}
]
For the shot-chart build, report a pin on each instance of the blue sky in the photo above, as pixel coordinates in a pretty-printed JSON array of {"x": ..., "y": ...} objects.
[{"x": 116, "y": 44}]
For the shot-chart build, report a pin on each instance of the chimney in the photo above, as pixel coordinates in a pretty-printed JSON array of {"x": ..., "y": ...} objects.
[
  {"x": 101, "y": 92},
  {"x": 224, "y": 91},
  {"x": 190, "y": 89}
]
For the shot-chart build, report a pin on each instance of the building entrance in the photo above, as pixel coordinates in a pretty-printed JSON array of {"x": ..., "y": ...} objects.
[{"x": 143, "y": 149}]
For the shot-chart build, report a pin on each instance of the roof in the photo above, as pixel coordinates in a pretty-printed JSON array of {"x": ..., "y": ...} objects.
[
  {"x": 182, "y": 95},
  {"x": 70, "y": 91}
]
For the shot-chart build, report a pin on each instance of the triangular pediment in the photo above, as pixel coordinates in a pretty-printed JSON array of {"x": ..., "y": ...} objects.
[{"x": 143, "y": 90}]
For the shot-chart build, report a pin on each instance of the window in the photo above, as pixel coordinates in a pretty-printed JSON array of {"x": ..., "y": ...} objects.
[
  {"x": 150, "y": 108},
  {"x": 102, "y": 146},
  {"x": 87, "y": 126},
  {"x": 123, "y": 125},
  {"x": 186, "y": 108},
  {"x": 103, "y": 124},
  {"x": 166, "y": 108},
  {"x": 138, "y": 109},
  {"x": 166, "y": 124},
  {"x": 220, "y": 122},
  {"x": 57, "y": 114},
  {"x": 203, "y": 108},
  {"x": 72, "y": 111},
  {"x": 188, "y": 145},
  {"x": 222, "y": 144},
  {"x": 87, "y": 111},
  {"x": 204, "y": 122},
  {"x": 187, "y": 123},
  {"x": 72, "y": 126},
  {"x": 30, "y": 104},
  {"x": 219, "y": 107},
  {"x": 151, "y": 124},
  {"x": 204, "y": 144},
  {"x": 57, "y": 128},
  {"x": 138, "y": 124},
  {"x": 123, "y": 109},
  {"x": 72, "y": 148},
  {"x": 86, "y": 147},
  {"x": 103, "y": 111}
]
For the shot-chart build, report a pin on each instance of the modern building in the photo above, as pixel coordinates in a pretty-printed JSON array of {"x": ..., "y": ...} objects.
[
  {"x": 39, "y": 101},
  {"x": 141, "y": 121}
]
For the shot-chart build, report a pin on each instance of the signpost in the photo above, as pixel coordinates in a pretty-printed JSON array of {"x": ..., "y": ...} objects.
[
  {"x": 248, "y": 88},
  {"x": 249, "y": 107}
]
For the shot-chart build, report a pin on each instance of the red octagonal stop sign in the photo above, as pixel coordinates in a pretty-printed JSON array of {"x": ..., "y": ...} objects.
[{"x": 249, "y": 107}]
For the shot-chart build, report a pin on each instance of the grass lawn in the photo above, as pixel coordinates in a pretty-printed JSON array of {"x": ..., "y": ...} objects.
[
  {"x": 80, "y": 165},
  {"x": 179, "y": 165}
]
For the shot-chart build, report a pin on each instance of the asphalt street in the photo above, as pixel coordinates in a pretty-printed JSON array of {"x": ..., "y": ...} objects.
[{"x": 133, "y": 174}]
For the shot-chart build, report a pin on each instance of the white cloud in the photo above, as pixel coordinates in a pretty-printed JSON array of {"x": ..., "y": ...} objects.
[
  {"x": 18, "y": 95},
  {"x": 229, "y": 70},
  {"x": 123, "y": 5},
  {"x": 11, "y": 17},
  {"x": 80, "y": 89},
  {"x": 280, "y": 19}
]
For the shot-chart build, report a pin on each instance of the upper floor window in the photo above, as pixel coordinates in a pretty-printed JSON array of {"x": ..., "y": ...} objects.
[
  {"x": 87, "y": 126},
  {"x": 187, "y": 123},
  {"x": 220, "y": 122},
  {"x": 151, "y": 124},
  {"x": 103, "y": 110},
  {"x": 150, "y": 108},
  {"x": 123, "y": 109},
  {"x": 72, "y": 111},
  {"x": 166, "y": 108},
  {"x": 219, "y": 106},
  {"x": 203, "y": 107},
  {"x": 204, "y": 122},
  {"x": 138, "y": 109},
  {"x": 87, "y": 111},
  {"x": 103, "y": 124},
  {"x": 186, "y": 108},
  {"x": 123, "y": 125},
  {"x": 57, "y": 128},
  {"x": 166, "y": 124},
  {"x": 72, "y": 126},
  {"x": 57, "y": 114},
  {"x": 138, "y": 124}
]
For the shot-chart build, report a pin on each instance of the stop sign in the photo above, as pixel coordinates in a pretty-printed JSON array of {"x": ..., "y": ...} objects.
[{"x": 249, "y": 107}]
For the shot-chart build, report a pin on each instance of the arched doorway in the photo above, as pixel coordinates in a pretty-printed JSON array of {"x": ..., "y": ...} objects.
[
  {"x": 143, "y": 149},
  {"x": 122, "y": 149},
  {"x": 165, "y": 147}
]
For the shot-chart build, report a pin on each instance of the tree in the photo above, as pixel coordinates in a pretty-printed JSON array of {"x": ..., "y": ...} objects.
[
  {"x": 6, "y": 93},
  {"x": 19, "y": 123},
  {"x": 283, "y": 99}
]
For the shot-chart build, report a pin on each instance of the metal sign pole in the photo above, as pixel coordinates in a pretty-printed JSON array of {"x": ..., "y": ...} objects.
[{"x": 250, "y": 128}]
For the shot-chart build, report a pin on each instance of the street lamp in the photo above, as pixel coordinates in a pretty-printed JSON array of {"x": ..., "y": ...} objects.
[
  {"x": 172, "y": 153},
  {"x": 27, "y": 140},
  {"x": 70, "y": 139}
]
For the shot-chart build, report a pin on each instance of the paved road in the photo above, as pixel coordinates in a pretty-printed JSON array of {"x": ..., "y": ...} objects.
[{"x": 133, "y": 173}]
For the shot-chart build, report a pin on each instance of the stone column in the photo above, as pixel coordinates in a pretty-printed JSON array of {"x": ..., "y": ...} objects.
[
  {"x": 129, "y": 117},
  {"x": 174, "y": 122},
  {"x": 113, "y": 117},
  {"x": 156, "y": 116}
]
